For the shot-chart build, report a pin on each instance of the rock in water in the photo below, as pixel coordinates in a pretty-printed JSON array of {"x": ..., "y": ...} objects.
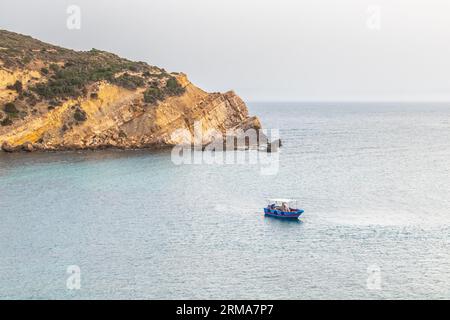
[
  {"x": 28, "y": 146},
  {"x": 274, "y": 145},
  {"x": 7, "y": 147}
]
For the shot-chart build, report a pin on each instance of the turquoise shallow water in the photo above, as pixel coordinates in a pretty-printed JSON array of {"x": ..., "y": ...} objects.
[{"x": 374, "y": 181}]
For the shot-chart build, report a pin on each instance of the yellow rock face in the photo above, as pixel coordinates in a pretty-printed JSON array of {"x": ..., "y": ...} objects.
[
  {"x": 118, "y": 117},
  {"x": 9, "y": 78}
]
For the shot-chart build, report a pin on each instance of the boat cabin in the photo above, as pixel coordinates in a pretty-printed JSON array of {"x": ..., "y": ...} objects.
[
  {"x": 283, "y": 208},
  {"x": 284, "y": 205}
]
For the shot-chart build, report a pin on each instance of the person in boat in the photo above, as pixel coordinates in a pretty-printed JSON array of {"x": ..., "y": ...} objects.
[{"x": 285, "y": 207}]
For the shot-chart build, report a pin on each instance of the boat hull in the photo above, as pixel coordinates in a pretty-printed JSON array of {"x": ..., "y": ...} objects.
[{"x": 282, "y": 214}]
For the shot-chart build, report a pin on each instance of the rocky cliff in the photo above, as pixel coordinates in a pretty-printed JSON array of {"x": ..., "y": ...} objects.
[{"x": 53, "y": 98}]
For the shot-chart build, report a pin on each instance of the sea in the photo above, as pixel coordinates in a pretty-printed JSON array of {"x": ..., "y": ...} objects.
[{"x": 372, "y": 178}]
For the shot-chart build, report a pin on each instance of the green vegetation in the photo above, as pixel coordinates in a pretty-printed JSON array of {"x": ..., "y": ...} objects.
[
  {"x": 74, "y": 77},
  {"x": 62, "y": 85},
  {"x": 67, "y": 73},
  {"x": 54, "y": 103},
  {"x": 54, "y": 67},
  {"x": 80, "y": 115},
  {"x": 128, "y": 81},
  {"x": 173, "y": 88},
  {"x": 122, "y": 134},
  {"x": 6, "y": 122},
  {"x": 27, "y": 59},
  {"x": 153, "y": 95},
  {"x": 17, "y": 86},
  {"x": 64, "y": 128},
  {"x": 10, "y": 108}
]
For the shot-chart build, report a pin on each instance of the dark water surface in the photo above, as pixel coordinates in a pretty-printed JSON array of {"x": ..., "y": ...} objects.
[{"x": 374, "y": 181}]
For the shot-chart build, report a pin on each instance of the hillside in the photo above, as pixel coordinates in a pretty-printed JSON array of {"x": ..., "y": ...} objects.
[{"x": 52, "y": 98}]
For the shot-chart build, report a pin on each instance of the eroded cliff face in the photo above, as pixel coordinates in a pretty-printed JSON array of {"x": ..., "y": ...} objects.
[{"x": 142, "y": 107}]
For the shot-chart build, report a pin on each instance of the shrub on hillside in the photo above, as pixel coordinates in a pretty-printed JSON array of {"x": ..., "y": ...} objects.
[
  {"x": 10, "y": 108},
  {"x": 153, "y": 95},
  {"x": 173, "y": 87},
  {"x": 70, "y": 81},
  {"x": 128, "y": 81},
  {"x": 6, "y": 122},
  {"x": 17, "y": 86},
  {"x": 54, "y": 67},
  {"x": 80, "y": 115}
]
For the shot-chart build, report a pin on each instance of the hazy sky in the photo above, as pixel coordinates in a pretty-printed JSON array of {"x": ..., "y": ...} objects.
[{"x": 265, "y": 49}]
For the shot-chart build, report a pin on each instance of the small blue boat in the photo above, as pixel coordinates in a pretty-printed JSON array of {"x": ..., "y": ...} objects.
[{"x": 283, "y": 208}]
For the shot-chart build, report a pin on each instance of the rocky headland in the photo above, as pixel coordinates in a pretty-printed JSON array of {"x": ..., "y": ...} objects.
[{"x": 52, "y": 98}]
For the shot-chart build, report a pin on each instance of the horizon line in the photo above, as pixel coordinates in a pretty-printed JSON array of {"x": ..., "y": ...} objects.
[{"x": 349, "y": 101}]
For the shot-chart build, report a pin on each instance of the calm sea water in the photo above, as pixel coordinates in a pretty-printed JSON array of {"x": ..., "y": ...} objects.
[{"x": 374, "y": 181}]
